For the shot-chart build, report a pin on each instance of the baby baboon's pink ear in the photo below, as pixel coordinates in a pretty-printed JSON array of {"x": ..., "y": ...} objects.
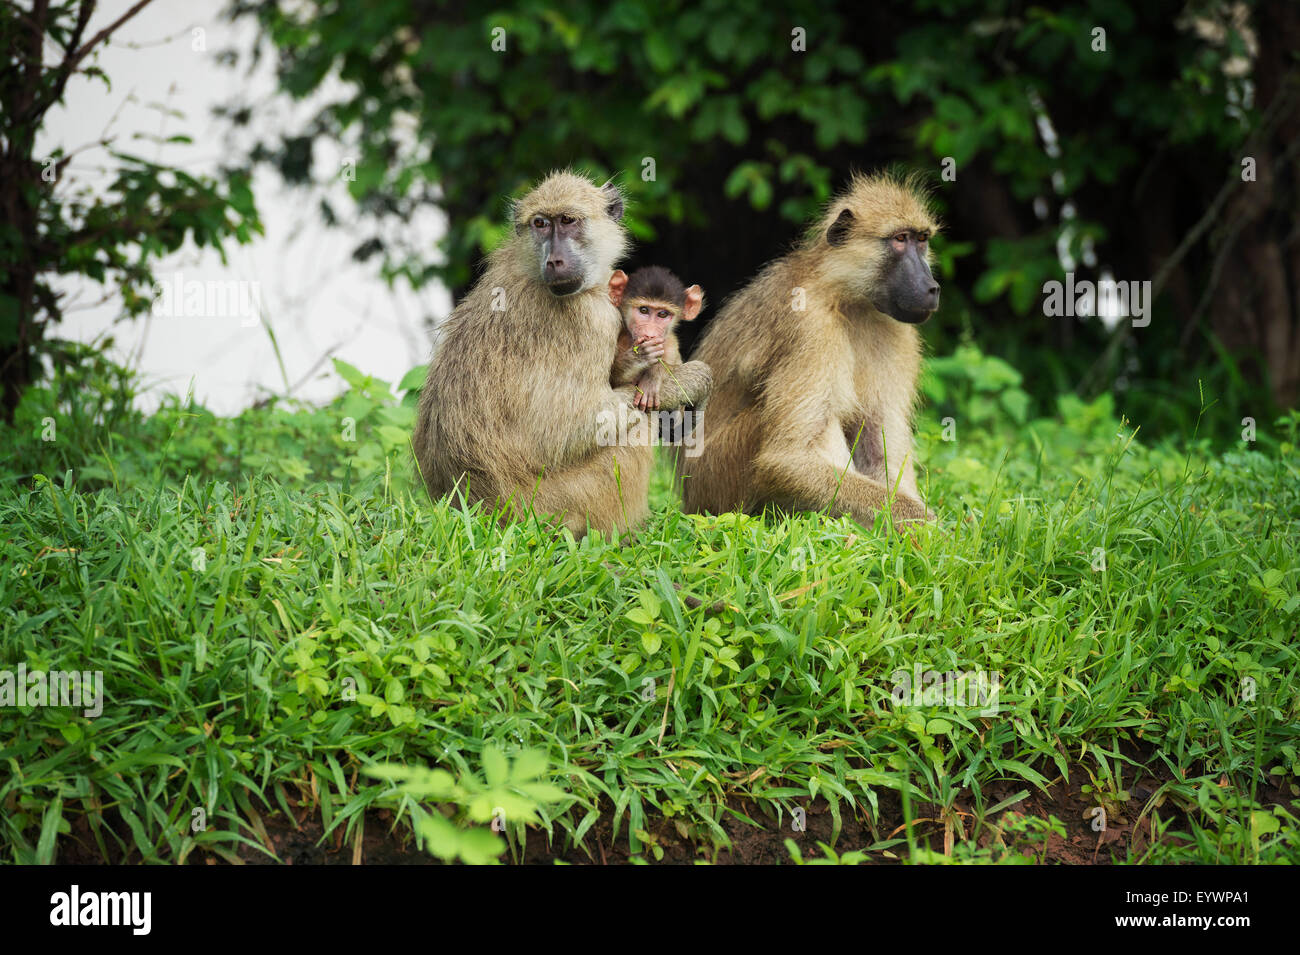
[
  {"x": 617, "y": 286},
  {"x": 694, "y": 302}
]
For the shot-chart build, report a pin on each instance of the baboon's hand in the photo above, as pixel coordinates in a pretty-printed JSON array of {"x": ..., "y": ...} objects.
[
  {"x": 648, "y": 399},
  {"x": 629, "y": 394},
  {"x": 908, "y": 510},
  {"x": 649, "y": 346}
]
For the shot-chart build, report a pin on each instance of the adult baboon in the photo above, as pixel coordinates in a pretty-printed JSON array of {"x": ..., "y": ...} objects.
[
  {"x": 519, "y": 379},
  {"x": 815, "y": 365}
]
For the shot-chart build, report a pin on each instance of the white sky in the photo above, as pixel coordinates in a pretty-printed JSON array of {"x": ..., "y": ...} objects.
[{"x": 313, "y": 295}]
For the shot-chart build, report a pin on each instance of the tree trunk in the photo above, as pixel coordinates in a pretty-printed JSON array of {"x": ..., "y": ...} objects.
[{"x": 1256, "y": 308}]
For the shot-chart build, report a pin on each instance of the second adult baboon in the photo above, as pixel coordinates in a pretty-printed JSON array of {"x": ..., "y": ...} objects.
[
  {"x": 512, "y": 408},
  {"x": 815, "y": 365}
]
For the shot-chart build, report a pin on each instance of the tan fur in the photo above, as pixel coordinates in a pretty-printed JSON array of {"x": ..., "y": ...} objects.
[
  {"x": 509, "y": 411},
  {"x": 794, "y": 389},
  {"x": 564, "y": 192}
]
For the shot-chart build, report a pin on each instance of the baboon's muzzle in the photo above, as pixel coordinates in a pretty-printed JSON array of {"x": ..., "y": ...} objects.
[{"x": 563, "y": 287}]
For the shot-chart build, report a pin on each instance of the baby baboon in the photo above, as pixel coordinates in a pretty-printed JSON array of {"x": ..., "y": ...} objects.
[
  {"x": 815, "y": 365},
  {"x": 519, "y": 380},
  {"x": 652, "y": 301}
]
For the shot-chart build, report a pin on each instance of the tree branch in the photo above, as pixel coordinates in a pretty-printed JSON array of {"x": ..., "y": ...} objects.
[
  {"x": 84, "y": 13},
  {"x": 1272, "y": 116},
  {"x": 76, "y": 54}
]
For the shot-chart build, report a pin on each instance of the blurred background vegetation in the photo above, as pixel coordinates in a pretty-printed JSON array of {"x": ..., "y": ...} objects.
[
  {"x": 1126, "y": 161},
  {"x": 1051, "y": 146}
]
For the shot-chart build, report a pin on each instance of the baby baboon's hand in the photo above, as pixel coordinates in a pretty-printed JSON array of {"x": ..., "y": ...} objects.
[
  {"x": 649, "y": 346},
  {"x": 648, "y": 399},
  {"x": 628, "y": 393}
]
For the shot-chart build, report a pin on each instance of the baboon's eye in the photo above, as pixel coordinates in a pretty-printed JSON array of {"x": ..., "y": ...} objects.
[
  {"x": 923, "y": 238},
  {"x": 644, "y": 309},
  {"x": 664, "y": 313},
  {"x": 901, "y": 237},
  {"x": 539, "y": 222},
  {"x": 567, "y": 220}
]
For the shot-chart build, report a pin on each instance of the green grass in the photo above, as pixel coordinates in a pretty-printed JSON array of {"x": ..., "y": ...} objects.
[{"x": 266, "y": 643}]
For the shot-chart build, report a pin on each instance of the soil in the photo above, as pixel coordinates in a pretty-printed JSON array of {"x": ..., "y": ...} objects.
[
  {"x": 298, "y": 841},
  {"x": 753, "y": 845}
]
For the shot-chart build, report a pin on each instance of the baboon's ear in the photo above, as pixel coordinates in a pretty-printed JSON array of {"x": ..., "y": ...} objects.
[
  {"x": 694, "y": 302},
  {"x": 613, "y": 201},
  {"x": 617, "y": 286},
  {"x": 838, "y": 233}
]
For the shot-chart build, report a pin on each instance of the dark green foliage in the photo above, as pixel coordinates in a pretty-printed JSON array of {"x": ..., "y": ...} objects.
[{"x": 749, "y": 136}]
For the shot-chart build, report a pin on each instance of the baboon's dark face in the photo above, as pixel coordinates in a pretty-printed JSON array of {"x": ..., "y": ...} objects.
[
  {"x": 890, "y": 271},
  {"x": 905, "y": 289},
  {"x": 560, "y": 242}
]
